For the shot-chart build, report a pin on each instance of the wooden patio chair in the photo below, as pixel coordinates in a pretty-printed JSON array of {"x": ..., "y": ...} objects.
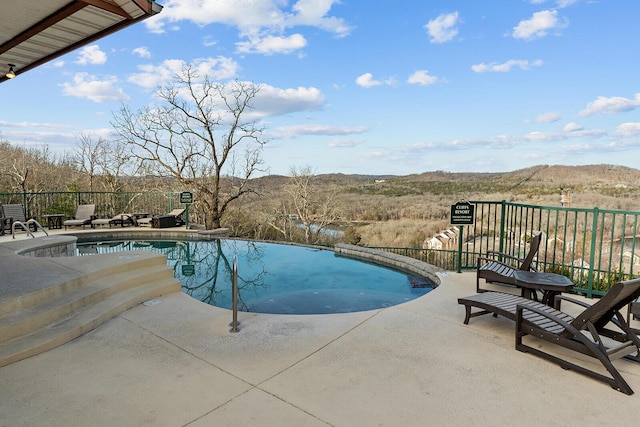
[
  {"x": 587, "y": 334},
  {"x": 498, "y": 267},
  {"x": 84, "y": 216},
  {"x": 175, "y": 216},
  {"x": 120, "y": 219},
  {"x": 12, "y": 213}
]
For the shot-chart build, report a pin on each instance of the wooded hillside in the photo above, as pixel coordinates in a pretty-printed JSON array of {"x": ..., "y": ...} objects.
[{"x": 404, "y": 210}]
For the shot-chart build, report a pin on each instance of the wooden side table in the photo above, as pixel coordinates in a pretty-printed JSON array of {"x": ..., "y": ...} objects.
[
  {"x": 54, "y": 221},
  {"x": 550, "y": 284}
]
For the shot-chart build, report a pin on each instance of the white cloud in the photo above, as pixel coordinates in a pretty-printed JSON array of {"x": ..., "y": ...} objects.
[
  {"x": 272, "y": 101},
  {"x": 220, "y": 68},
  {"x": 153, "y": 75},
  {"x": 94, "y": 89},
  {"x": 549, "y": 117},
  {"x": 615, "y": 104},
  {"x": 272, "y": 44},
  {"x": 628, "y": 129},
  {"x": 314, "y": 13},
  {"x": 422, "y": 77},
  {"x": 565, "y": 3},
  {"x": 572, "y": 127},
  {"x": 91, "y": 55},
  {"x": 345, "y": 143},
  {"x": 255, "y": 20},
  {"x": 43, "y": 125},
  {"x": 560, "y": 3},
  {"x": 142, "y": 52},
  {"x": 505, "y": 66},
  {"x": 443, "y": 28},
  {"x": 209, "y": 41},
  {"x": 367, "y": 80},
  {"x": 570, "y": 131},
  {"x": 319, "y": 130},
  {"x": 538, "y": 25}
]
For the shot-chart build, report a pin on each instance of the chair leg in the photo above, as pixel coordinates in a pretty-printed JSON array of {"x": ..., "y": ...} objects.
[{"x": 615, "y": 381}]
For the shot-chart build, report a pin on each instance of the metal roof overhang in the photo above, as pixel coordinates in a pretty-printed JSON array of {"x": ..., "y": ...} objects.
[{"x": 33, "y": 32}]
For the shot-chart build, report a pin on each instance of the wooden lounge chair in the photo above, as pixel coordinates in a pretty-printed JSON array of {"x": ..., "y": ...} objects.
[
  {"x": 12, "y": 213},
  {"x": 175, "y": 216},
  {"x": 498, "y": 267},
  {"x": 496, "y": 303},
  {"x": 84, "y": 216},
  {"x": 587, "y": 334},
  {"x": 120, "y": 219}
]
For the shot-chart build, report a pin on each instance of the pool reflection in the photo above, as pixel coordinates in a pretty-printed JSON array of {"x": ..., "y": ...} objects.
[{"x": 274, "y": 278}]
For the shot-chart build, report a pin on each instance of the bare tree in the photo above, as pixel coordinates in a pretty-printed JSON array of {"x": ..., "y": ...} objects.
[
  {"x": 199, "y": 135},
  {"x": 27, "y": 169},
  {"x": 103, "y": 162},
  {"x": 314, "y": 208},
  {"x": 89, "y": 157}
]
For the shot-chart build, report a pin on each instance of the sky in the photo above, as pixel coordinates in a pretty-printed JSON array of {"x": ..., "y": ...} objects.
[{"x": 378, "y": 87}]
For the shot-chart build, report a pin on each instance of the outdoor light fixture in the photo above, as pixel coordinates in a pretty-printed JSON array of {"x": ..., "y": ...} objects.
[{"x": 11, "y": 74}]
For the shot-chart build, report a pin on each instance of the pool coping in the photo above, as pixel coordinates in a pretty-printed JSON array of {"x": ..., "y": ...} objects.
[
  {"x": 392, "y": 260},
  {"x": 383, "y": 258}
]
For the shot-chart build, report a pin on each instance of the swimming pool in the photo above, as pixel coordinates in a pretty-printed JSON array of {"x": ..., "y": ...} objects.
[{"x": 277, "y": 278}]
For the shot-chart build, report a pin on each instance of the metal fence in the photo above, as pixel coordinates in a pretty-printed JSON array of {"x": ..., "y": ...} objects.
[
  {"x": 593, "y": 247},
  {"x": 107, "y": 204}
]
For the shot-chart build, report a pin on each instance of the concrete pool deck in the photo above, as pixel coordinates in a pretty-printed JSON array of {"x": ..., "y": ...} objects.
[{"x": 175, "y": 363}]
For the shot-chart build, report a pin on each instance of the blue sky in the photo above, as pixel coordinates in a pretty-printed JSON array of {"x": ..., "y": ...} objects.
[{"x": 371, "y": 87}]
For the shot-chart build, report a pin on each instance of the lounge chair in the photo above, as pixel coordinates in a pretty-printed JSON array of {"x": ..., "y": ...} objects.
[
  {"x": 12, "y": 213},
  {"x": 498, "y": 267},
  {"x": 587, "y": 334},
  {"x": 120, "y": 219},
  {"x": 84, "y": 216},
  {"x": 173, "y": 219}
]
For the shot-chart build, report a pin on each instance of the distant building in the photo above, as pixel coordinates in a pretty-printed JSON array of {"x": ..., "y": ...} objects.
[{"x": 443, "y": 240}]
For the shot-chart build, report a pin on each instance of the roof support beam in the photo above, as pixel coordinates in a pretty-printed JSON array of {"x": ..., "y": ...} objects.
[{"x": 109, "y": 7}]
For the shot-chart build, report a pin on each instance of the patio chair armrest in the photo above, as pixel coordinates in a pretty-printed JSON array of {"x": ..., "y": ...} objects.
[
  {"x": 562, "y": 297},
  {"x": 492, "y": 255}
]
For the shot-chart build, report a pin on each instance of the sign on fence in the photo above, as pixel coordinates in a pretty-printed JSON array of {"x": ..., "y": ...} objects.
[
  {"x": 463, "y": 213},
  {"x": 186, "y": 197}
]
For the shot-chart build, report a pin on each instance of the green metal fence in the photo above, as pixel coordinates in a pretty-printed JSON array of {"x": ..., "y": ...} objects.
[{"x": 593, "y": 247}]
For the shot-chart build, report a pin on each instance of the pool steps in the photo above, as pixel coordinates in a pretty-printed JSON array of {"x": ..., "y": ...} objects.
[{"x": 53, "y": 315}]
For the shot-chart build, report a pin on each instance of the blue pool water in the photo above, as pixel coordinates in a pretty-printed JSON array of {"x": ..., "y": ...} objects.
[{"x": 274, "y": 278}]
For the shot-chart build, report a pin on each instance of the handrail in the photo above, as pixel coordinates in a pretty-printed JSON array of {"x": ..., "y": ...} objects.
[
  {"x": 234, "y": 322},
  {"x": 25, "y": 226}
]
